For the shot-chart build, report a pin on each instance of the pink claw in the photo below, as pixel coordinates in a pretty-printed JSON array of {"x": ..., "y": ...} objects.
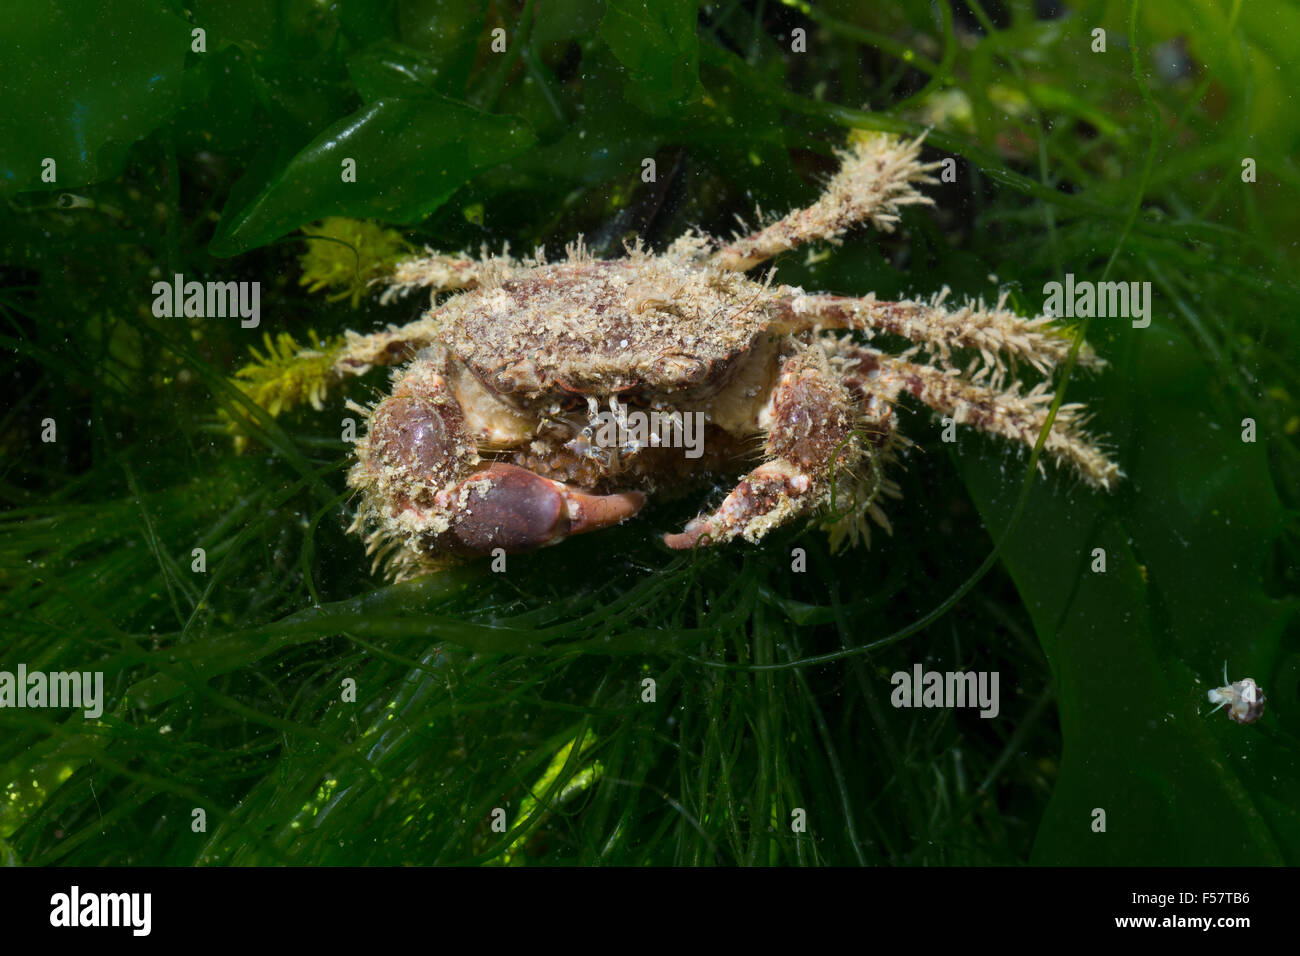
[
  {"x": 505, "y": 506},
  {"x": 683, "y": 540},
  {"x": 756, "y": 495}
]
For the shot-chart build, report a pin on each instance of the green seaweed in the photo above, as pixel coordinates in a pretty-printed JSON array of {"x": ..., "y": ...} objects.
[{"x": 622, "y": 704}]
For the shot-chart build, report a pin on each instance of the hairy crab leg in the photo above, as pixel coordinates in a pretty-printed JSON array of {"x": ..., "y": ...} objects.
[
  {"x": 1010, "y": 412},
  {"x": 874, "y": 182},
  {"x": 813, "y": 419},
  {"x": 358, "y": 354},
  {"x": 438, "y": 272},
  {"x": 993, "y": 332},
  {"x": 393, "y": 346}
]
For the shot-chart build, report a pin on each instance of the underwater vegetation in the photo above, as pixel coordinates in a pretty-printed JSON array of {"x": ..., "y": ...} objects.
[{"x": 175, "y": 457}]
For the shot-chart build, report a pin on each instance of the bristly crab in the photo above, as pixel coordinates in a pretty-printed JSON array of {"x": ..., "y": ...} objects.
[{"x": 486, "y": 438}]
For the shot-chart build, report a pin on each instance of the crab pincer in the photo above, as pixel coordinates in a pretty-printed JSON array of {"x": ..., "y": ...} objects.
[{"x": 508, "y": 507}]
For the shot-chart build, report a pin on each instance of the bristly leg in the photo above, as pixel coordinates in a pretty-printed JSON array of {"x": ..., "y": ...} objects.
[
  {"x": 874, "y": 182},
  {"x": 439, "y": 272},
  {"x": 1010, "y": 412},
  {"x": 435, "y": 272},
  {"x": 992, "y": 332},
  {"x": 811, "y": 434}
]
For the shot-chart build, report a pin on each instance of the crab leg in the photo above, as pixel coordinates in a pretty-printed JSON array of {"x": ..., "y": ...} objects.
[
  {"x": 1010, "y": 413},
  {"x": 812, "y": 425},
  {"x": 441, "y": 273},
  {"x": 436, "y": 272},
  {"x": 390, "y": 347},
  {"x": 993, "y": 332},
  {"x": 874, "y": 181}
]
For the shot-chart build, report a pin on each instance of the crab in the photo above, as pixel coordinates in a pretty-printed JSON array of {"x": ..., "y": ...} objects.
[{"x": 496, "y": 434}]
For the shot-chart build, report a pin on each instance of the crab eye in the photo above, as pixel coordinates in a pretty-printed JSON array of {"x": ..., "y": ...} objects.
[{"x": 680, "y": 369}]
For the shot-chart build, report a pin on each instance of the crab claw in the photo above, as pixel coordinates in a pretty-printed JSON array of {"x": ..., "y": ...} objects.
[
  {"x": 769, "y": 495},
  {"x": 695, "y": 529},
  {"x": 505, "y": 506}
]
